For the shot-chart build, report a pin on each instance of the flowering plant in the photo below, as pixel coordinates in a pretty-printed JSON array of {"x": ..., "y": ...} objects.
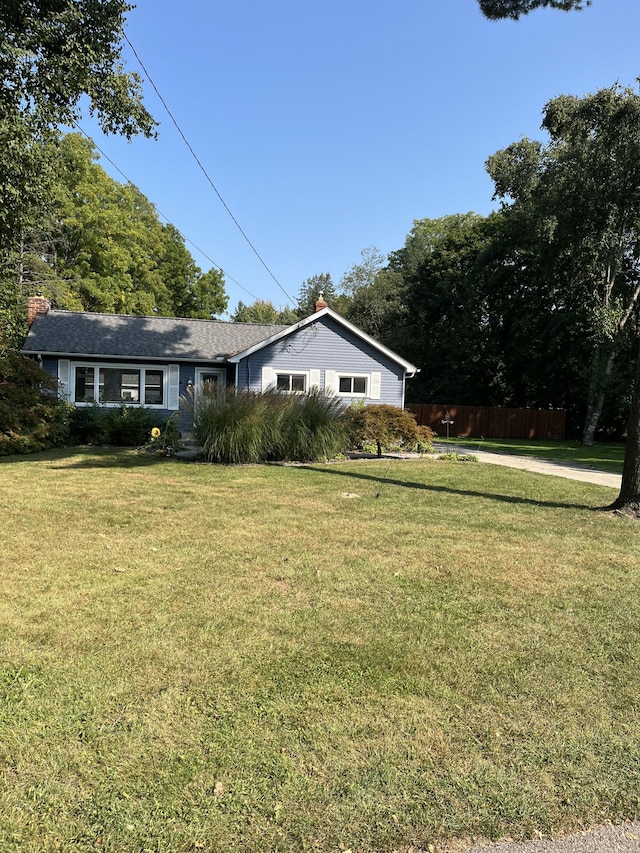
[{"x": 164, "y": 440}]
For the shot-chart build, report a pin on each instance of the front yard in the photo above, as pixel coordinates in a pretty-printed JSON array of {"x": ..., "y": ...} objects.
[{"x": 367, "y": 655}]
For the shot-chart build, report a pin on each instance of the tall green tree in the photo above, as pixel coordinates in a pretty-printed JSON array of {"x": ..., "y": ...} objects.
[
  {"x": 374, "y": 293},
  {"x": 581, "y": 194},
  {"x": 100, "y": 246},
  {"x": 52, "y": 54},
  {"x": 310, "y": 292},
  {"x": 363, "y": 273},
  {"x": 448, "y": 316}
]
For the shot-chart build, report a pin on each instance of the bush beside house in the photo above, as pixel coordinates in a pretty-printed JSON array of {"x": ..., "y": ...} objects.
[
  {"x": 30, "y": 420},
  {"x": 386, "y": 427}
]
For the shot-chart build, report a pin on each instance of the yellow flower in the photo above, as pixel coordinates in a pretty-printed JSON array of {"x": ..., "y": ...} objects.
[{"x": 155, "y": 433}]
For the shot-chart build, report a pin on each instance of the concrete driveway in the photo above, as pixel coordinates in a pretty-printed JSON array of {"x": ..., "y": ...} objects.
[{"x": 540, "y": 466}]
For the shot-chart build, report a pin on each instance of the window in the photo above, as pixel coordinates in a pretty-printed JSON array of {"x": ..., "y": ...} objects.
[
  {"x": 291, "y": 381},
  {"x": 85, "y": 388},
  {"x": 119, "y": 384},
  {"x": 352, "y": 385},
  {"x": 153, "y": 387}
]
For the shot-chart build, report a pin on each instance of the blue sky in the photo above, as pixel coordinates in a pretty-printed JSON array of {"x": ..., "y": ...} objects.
[{"x": 330, "y": 127}]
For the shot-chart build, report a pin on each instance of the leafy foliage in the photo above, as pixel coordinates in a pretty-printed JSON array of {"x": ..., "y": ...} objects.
[
  {"x": 121, "y": 426},
  {"x": 30, "y": 420},
  {"x": 310, "y": 292},
  {"x": 100, "y": 246},
  {"x": 457, "y": 457},
  {"x": 385, "y": 427},
  {"x": 580, "y": 195},
  {"x": 263, "y": 312},
  {"x": 52, "y": 54}
]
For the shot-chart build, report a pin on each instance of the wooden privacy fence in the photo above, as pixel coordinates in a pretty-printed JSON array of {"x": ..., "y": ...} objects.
[{"x": 477, "y": 421}]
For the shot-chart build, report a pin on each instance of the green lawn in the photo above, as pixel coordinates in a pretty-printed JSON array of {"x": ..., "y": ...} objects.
[
  {"x": 364, "y": 656},
  {"x": 603, "y": 456}
]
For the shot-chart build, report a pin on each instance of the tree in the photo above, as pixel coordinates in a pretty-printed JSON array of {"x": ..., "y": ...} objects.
[
  {"x": 30, "y": 420},
  {"x": 100, "y": 246},
  {"x": 581, "y": 194},
  {"x": 53, "y": 53},
  {"x": 386, "y": 426},
  {"x": 497, "y": 9},
  {"x": 264, "y": 312},
  {"x": 448, "y": 320},
  {"x": 310, "y": 292},
  {"x": 364, "y": 273}
]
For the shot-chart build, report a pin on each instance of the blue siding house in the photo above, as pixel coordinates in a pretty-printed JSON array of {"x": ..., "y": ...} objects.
[{"x": 113, "y": 359}]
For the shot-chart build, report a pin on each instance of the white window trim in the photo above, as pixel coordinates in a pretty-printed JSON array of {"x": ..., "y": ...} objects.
[
  {"x": 360, "y": 394},
  {"x": 98, "y": 365},
  {"x": 286, "y": 372}
]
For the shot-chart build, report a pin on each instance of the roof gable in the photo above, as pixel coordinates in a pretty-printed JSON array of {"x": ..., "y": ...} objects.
[{"x": 326, "y": 312}]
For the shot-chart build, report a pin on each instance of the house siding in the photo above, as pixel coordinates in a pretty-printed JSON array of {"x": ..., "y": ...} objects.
[{"x": 324, "y": 346}]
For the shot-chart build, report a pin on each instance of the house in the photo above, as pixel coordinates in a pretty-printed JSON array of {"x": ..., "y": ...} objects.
[{"x": 152, "y": 361}]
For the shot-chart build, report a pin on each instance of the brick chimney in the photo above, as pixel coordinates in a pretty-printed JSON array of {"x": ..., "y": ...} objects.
[
  {"x": 320, "y": 303},
  {"x": 36, "y": 305}
]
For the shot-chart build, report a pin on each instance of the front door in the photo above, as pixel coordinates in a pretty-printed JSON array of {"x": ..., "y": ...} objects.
[{"x": 210, "y": 379}]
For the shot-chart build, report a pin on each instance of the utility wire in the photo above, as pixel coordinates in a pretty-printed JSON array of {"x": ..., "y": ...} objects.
[
  {"x": 204, "y": 171},
  {"x": 166, "y": 218}
]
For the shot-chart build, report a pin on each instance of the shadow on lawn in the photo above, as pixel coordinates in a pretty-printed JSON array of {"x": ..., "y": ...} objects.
[
  {"x": 428, "y": 487},
  {"x": 86, "y": 457}
]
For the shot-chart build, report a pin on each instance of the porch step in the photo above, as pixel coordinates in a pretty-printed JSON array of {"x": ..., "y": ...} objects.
[
  {"x": 190, "y": 447},
  {"x": 187, "y": 439}
]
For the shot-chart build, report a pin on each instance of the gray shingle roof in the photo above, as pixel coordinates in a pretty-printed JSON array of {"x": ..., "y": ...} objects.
[{"x": 77, "y": 333}]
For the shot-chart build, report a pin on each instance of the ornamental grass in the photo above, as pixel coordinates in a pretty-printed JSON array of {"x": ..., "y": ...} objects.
[{"x": 239, "y": 426}]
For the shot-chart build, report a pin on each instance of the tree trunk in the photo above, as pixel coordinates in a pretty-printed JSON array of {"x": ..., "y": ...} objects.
[
  {"x": 628, "y": 501},
  {"x": 600, "y": 377}
]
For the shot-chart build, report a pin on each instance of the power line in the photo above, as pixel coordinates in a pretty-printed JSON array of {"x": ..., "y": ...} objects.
[
  {"x": 166, "y": 218},
  {"x": 204, "y": 171}
]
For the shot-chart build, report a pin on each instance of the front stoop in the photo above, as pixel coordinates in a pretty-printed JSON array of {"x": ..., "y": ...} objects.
[{"x": 190, "y": 448}]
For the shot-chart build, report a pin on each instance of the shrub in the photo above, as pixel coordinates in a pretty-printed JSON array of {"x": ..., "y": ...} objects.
[
  {"x": 387, "y": 427},
  {"x": 129, "y": 426},
  {"x": 32, "y": 417},
  {"x": 124, "y": 426},
  {"x": 87, "y": 425}
]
